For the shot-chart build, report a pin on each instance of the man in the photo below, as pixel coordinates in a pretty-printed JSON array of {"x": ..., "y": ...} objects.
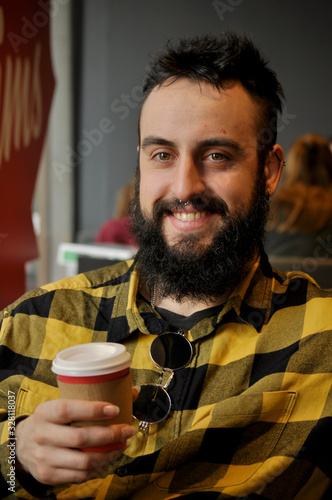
[{"x": 235, "y": 399}]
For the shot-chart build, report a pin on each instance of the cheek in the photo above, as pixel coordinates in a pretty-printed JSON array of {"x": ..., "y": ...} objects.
[
  {"x": 152, "y": 188},
  {"x": 148, "y": 192},
  {"x": 143, "y": 197},
  {"x": 236, "y": 192}
]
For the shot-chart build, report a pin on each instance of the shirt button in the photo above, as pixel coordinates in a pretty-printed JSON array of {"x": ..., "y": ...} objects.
[{"x": 122, "y": 471}]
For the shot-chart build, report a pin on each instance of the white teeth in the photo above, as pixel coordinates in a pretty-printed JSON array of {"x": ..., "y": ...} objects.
[{"x": 187, "y": 217}]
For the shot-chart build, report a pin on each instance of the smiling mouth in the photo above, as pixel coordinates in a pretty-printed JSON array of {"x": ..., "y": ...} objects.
[{"x": 188, "y": 217}]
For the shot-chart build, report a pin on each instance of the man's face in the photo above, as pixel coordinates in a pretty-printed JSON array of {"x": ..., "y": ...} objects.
[
  {"x": 196, "y": 140},
  {"x": 198, "y": 145}
]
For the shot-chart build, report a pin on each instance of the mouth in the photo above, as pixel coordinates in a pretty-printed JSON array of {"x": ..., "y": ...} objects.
[{"x": 189, "y": 216}]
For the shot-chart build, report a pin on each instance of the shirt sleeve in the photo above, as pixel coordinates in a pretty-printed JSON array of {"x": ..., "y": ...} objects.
[{"x": 17, "y": 400}]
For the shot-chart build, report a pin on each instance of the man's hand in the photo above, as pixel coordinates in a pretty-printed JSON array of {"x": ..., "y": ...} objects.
[{"x": 47, "y": 447}]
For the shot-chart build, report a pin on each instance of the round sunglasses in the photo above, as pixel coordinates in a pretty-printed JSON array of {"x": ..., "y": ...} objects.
[{"x": 169, "y": 351}]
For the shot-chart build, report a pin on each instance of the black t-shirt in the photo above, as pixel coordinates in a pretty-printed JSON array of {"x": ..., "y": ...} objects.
[{"x": 187, "y": 322}]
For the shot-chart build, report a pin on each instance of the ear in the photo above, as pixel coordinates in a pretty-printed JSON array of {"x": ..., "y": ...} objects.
[{"x": 273, "y": 168}]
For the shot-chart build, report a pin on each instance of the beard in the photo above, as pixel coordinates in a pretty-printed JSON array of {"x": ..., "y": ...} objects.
[{"x": 187, "y": 270}]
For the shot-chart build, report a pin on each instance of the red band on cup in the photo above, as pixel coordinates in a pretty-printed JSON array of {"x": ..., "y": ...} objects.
[
  {"x": 93, "y": 379},
  {"x": 107, "y": 447}
]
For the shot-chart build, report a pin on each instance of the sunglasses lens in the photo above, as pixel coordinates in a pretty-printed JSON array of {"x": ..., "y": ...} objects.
[
  {"x": 171, "y": 350},
  {"x": 152, "y": 405}
]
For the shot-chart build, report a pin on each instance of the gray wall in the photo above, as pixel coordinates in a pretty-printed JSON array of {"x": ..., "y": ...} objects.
[{"x": 117, "y": 37}]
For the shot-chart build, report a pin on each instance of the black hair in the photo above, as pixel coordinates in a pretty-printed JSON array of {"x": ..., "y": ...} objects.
[{"x": 219, "y": 60}]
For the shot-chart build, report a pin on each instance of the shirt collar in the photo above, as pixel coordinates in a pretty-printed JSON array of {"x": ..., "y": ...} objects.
[
  {"x": 237, "y": 296},
  {"x": 248, "y": 303}
]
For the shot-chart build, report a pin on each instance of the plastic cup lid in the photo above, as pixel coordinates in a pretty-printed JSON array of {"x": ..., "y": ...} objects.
[{"x": 95, "y": 358}]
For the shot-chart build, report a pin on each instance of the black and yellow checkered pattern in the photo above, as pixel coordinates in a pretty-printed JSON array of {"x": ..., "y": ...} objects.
[{"x": 251, "y": 413}]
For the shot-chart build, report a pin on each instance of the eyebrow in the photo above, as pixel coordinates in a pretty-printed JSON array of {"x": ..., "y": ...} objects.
[
  {"x": 223, "y": 142},
  {"x": 206, "y": 143},
  {"x": 157, "y": 141}
]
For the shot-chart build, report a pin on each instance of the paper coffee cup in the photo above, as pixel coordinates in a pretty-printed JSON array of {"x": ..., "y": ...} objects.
[{"x": 98, "y": 371}]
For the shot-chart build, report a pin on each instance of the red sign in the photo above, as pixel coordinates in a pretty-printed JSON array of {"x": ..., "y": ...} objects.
[{"x": 26, "y": 88}]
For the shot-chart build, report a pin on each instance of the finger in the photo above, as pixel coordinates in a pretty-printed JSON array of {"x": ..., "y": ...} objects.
[
  {"x": 81, "y": 460},
  {"x": 48, "y": 474},
  {"x": 64, "y": 436},
  {"x": 60, "y": 466},
  {"x": 64, "y": 411},
  {"x": 54, "y": 477},
  {"x": 135, "y": 392}
]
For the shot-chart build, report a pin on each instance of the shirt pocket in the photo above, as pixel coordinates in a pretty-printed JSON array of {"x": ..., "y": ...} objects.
[
  {"x": 231, "y": 445},
  {"x": 31, "y": 394},
  {"x": 260, "y": 428}
]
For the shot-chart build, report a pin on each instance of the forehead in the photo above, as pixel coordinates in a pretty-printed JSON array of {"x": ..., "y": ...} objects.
[{"x": 199, "y": 107}]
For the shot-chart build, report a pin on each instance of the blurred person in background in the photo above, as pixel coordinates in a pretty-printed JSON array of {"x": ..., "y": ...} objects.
[
  {"x": 117, "y": 229},
  {"x": 301, "y": 210}
]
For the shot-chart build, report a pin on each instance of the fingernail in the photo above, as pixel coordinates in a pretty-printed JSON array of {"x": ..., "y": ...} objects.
[
  {"x": 138, "y": 388},
  {"x": 111, "y": 410}
]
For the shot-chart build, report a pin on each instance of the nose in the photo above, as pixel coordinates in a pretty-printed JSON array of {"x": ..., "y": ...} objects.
[{"x": 188, "y": 180}]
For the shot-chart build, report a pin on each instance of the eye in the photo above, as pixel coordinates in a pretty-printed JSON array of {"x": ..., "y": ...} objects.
[
  {"x": 162, "y": 156},
  {"x": 218, "y": 156}
]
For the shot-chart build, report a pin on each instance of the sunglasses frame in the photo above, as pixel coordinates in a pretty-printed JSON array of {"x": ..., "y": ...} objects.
[{"x": 158, "y": 349}]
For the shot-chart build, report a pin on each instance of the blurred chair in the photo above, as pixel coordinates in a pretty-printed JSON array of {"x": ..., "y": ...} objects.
[
  {"x": 319, "y": 269},
  {"x": 86, "y": 263}
]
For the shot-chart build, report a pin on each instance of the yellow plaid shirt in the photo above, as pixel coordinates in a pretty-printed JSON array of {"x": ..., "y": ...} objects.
[{"x": 251, "y": 414}]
